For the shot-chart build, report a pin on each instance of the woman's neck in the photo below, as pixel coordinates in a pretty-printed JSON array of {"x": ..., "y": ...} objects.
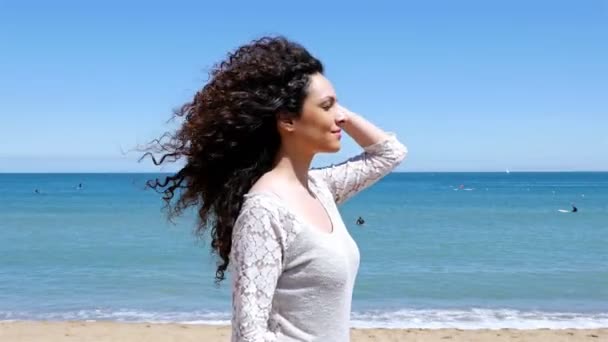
[{"x": 293, "y": 166}]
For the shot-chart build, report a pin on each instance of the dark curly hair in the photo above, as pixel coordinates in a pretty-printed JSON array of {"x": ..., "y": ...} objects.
[{"x": 229, "y": 136}]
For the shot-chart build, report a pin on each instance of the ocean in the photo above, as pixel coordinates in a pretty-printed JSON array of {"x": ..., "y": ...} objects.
[{"x": 438, "y": 250}]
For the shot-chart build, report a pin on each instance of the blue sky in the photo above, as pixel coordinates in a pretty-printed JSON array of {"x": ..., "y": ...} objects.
[{"x": 467, "y": 85}]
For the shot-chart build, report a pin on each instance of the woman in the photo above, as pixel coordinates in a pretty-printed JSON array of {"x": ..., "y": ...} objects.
[{"x": 248, "y": 138}]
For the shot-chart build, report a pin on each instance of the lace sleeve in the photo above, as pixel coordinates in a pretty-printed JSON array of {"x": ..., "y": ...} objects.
[
  {"x": 256, "y": 258},
  {"x": 350, "y": 177}
]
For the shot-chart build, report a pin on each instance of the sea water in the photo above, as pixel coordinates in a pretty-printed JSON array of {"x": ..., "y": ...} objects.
[{"x": 463, "y": 250}]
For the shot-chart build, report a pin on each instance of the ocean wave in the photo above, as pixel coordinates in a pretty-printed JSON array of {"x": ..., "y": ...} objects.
[
  {"x": 121, "y": 315},
  {"x": 475, "y": 318}
]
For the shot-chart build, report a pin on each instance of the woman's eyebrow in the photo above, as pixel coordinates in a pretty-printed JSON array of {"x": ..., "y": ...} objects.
[{"x": 329, "y": 98}]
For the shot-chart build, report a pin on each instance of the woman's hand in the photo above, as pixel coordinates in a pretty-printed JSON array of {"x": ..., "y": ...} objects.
[
  {"x": 362, "y": 131},
  {"x": 343, "y": 114}
]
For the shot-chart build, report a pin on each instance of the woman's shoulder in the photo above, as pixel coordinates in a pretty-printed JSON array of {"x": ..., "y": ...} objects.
[
  {"x": 268, "y": 204},
  {"x": 263, "y": 211},
  {"x": 262, "y": 202},
  {"x": 318, "y": 180}
]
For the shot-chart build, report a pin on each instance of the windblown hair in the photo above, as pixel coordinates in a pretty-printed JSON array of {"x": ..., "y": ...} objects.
[{"x": 229, "y": 136}]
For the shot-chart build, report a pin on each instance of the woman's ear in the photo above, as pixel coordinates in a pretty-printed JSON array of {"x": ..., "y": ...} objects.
[{"x": 285, "y": 122}]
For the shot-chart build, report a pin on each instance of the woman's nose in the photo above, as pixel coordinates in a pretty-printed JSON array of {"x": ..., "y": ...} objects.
[{"x": 340, "y": 116}]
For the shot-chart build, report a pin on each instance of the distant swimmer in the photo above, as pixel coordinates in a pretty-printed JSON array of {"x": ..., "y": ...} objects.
[
  {"x": 573, "y": 210},
  {"x": 360, "y": 221},
  {"x": 37, "y": 191},
  {"x": 79, "y": 186}
]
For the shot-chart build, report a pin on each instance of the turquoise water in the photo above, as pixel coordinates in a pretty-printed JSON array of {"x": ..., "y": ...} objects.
[{"x": 494, "y": 252}]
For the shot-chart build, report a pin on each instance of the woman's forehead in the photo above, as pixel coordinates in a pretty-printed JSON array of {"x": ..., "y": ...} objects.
[{"x": 320, "y": 87}]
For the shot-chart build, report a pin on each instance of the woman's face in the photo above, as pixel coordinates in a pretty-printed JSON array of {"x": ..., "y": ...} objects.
[{"x": 318, "y": 129}]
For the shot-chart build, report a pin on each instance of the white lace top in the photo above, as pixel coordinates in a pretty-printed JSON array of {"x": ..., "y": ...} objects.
[{"x": 292, "y": 282}]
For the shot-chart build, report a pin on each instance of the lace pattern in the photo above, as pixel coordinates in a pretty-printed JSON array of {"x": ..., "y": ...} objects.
[
  {"x": 257, "y": 262},
  {"x": 350, "y": 177}
]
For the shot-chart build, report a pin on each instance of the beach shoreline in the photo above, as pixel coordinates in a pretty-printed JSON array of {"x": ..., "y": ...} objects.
[{"x": 59, "y": 331}]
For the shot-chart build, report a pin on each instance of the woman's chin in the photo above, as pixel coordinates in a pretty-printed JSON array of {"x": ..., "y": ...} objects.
[{"x": 333, "y": 148}]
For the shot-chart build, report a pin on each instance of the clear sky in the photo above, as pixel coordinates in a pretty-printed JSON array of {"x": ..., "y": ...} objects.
[{"x": 467, "y": 85}]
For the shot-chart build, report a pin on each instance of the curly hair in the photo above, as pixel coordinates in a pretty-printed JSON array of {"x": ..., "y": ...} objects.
[{"x": 229, "y": 136}]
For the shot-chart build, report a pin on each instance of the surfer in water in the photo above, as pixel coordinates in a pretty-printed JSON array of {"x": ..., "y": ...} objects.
[
  {"x": 574, "y": 208},
  {"x": 360, "y": 221}
]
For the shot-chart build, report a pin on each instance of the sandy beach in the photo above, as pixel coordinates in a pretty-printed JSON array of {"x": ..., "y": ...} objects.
[{"x": 111, "y": 331}]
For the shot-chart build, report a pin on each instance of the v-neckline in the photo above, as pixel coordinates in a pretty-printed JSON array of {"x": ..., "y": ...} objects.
[{"x": 295, "y": 214}]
